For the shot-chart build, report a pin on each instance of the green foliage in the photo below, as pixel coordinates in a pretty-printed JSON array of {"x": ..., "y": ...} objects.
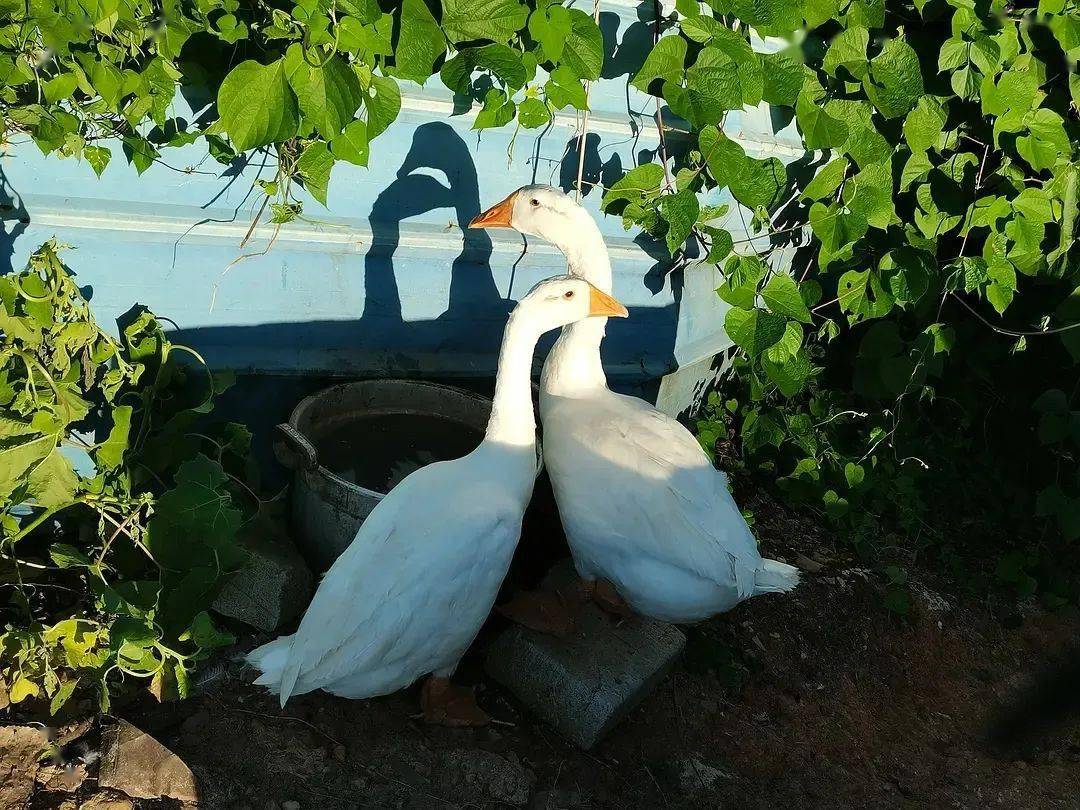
[
  {"x": 119, "y": 520},
  {"x": 315, "y": 84}
]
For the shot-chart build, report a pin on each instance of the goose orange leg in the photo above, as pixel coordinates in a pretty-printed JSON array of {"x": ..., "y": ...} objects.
[
  {"x": 607, "y": 597},
  {"x": 543, "y": 611},
  {"x": 446, "y": 704}
]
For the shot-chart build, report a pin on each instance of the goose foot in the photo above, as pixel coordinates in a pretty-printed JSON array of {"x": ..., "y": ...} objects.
[
  {"x": 446, "y": 704},
  {"x": 542, "y": 611},
  {"x": 608, "y": 599}
]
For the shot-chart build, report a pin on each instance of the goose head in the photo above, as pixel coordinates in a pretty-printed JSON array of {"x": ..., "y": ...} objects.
[
  {"x": 563, "y": 300},
  {"x": 552, "y": 215}
]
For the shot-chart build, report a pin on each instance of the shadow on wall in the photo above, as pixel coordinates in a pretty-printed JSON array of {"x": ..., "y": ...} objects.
[
  {"x": 437, "y": 173},
  {"x": 13, "y": 221}
]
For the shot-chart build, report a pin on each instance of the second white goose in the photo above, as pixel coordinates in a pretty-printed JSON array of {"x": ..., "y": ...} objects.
[{"x": 650, "y": 521}]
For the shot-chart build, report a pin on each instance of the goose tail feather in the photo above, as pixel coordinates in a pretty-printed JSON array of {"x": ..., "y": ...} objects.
[
  {"x": 775, "y": 577},
  {"x": 270, "y": 660}
]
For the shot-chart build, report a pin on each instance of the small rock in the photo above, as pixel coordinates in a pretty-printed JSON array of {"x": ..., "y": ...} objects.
[
  {"x": 19, "y": 747},
  {"x": 290, "y": 805},
  {"x": 463, "y": 773},
  {"x": 272, "y": 589},
  {"x": 697, "y": 777},
  {"x": 135, "y": 763},
  {"x": 586, "y": 683},
  {"x": 807, "y": 564},
  {"x": 61, "y": 778},
  {"x": 107, "y": 801}
]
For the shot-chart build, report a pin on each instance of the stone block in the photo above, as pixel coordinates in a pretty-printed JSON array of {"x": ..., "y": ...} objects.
[
  {"x": 271, "y": 590},
  {"x": 584, "y": 684}
]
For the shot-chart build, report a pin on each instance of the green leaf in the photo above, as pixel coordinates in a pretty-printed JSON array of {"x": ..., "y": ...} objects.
[
  {"x": 67, "y": 688},
  {"x": 635, "y": 185},
  {"x": 741, "y": 277},
  {"x": 420, "y": 42},
  {"x": 60, "y": 87},
  {"x": 329, "y": 96},
  {"x": 550, "y": 26},
  {"x": 504, "y": 62},
  {"x": 781, "y": 295},
  {"x": 583, "y": 50},
  {"x": 894, "y": 83},
  {"x": 819, "y": 129},
  {"x": 22, "y": 455},
  {"x": 22, "y": 688},
  {"x": 206, "y": 636},
  {"x": 908, "y": 272},
  {"x": 366, "y": 41},
  {"x": 564, "y": 89},
  {"x": 862, "y": 296},
  {"x": 788, "y": 346},
  {"x": 665, "y": 61},
  {"x": 924, "y": 124},
  {"x": 98, "y": 158},
  {"x": 110, "y": 453},
  {"x": 496, "y": 20},
  {"x": 680, "y": 212},
  {"x": 533, "y": 113},
  {"x": 314, "y": 166},
  {"x": 1046, "y": 141},
  {"x": 382, "y": 100},
  {"x": 827, "y": 180},
  {"x": 66, "y": 556},
  {"x": 1002, "y": 285},
  {"x": 759, "y": 183},
  {"x": 836, "y": 230},
  {"x": 854, "y": 474},
  {"x": 256, "y": 105},
  {"x": 498, "y": 110},
  {"x": 754, "y": 331},
  {"x": 789, "y": 375},
  {"x": 195, "y": 523},
  {"x": 848, "y": 51},
  {"x": 782, "y": 78},
  {"x": 352, "y": 144}
]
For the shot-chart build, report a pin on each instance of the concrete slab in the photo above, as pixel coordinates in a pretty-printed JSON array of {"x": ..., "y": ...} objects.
[{"x": 584, "y": 684}]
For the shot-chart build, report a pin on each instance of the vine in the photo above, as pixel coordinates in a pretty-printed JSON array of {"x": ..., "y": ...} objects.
[{"x": 119, "y": 521}]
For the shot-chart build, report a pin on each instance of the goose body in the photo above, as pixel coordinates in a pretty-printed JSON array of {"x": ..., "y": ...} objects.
[
  {"x": 410, "y": 593},
  {"x": 640, "y": 502}
]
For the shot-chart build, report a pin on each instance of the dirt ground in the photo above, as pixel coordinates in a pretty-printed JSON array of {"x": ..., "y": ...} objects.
[{"x": 817, "y": 699}]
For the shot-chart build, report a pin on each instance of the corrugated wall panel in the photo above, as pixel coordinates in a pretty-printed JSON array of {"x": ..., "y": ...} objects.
[{"x": 385, "y": 281}]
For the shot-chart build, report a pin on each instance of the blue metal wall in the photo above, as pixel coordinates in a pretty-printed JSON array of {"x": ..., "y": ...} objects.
[{"x": 385, "y": 282}]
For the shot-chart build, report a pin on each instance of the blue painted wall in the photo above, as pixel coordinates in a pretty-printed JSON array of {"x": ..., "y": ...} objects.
[{"x": 385, "y": 282}]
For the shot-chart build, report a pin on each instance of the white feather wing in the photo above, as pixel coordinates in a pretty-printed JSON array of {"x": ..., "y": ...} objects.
[
  {"x": 387, "y": 593},
  {"x": 632, "y": 480}
]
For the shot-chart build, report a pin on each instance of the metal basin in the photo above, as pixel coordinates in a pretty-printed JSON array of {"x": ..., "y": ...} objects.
[{"x": 350, "y": 444}]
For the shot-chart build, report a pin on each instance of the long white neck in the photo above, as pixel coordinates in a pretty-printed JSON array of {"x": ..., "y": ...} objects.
[
  {"x": 574, "y": 362},
  {"x": 585, "y": 250},
  {"x": 512, "y": 421}
]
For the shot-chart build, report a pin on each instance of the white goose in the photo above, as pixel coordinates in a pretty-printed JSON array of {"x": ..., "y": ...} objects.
[
  {"x": 650, "y": 521},
  {"x": 411, "y": 591}
]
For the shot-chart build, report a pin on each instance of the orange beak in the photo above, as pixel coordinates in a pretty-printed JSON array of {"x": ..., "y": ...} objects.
[
  {"x": 602, "y": 304},
  {"x": 498, "y": 216}
]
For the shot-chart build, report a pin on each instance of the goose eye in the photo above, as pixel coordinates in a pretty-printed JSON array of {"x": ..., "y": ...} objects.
[
  {"x": 568, "y": 294},
  {"x": 534, "y": 202}
]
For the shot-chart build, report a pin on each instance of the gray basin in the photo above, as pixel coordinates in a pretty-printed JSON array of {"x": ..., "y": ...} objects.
[{"x": 350, "y": 444}]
